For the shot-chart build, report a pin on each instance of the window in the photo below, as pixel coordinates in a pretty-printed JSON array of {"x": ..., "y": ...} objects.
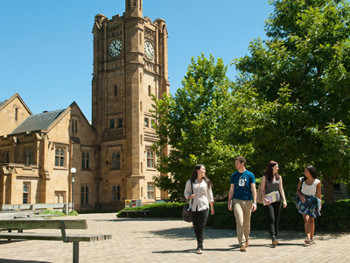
[
  {"x": 116, "y": 193},
  {"x": 85, "y": 160},
  {"x": 16, "y": 114},
  {"x": 149, "y": 90},
  {"x": 111, "y": 123},
  {"x": 150, "y": 159},
  {"x": 146, "y": 122},
  {"x": 59, "y": 157},
  {"x": 60, "y": 197},
  {"x": 74, "y": 124},
  {"x": 120, "y": 123},
  {"x": 153, "y": 126},
  {"x": 6, "y": 156},
  {"x": 28, "y": 156},
  {"x": 26, "y": 188},
  {"x": 150, "y": 190},
  {"x": 115, "y": 90},
  {"x": 84, "y": 195},
  {"x": 116, "y": 160}
]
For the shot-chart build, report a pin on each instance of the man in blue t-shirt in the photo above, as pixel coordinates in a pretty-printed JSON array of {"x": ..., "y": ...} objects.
[{"x": 243, "y": 196}]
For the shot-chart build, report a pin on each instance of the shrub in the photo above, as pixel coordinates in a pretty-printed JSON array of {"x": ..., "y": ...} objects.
[
  {"x": 52, "y": 212},
  {"x": 160, "y": 210},
  {"x": 58, "y": 213},
  {"x": 334, "y": 216}
]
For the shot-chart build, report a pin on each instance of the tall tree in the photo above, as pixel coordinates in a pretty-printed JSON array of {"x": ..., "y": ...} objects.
[
  {"x": 195, "y": 123},
  {"x": 301, "y": 79}
]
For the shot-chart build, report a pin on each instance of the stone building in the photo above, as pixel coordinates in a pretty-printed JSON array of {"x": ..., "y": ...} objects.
[{"x": 112, "y": 156}]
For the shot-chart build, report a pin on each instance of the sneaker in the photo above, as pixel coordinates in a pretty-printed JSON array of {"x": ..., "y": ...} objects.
[
  {"x": 312, "y": 242},
  {"x": 242, "y": 249},
  {"x": 199, "y": 251},
  {"x": 307, "y": 241}
]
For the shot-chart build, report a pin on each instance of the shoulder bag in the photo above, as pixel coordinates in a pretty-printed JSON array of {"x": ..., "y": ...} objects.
[{"x": 187, "y": 209}]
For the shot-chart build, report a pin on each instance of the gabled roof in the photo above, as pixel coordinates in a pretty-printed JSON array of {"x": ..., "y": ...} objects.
[
  {"x": 38, "y": 122},
  {"x": 5, "y": 102}
]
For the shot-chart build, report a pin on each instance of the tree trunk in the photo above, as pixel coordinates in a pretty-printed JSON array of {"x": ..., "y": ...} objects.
[{"x": 328, "y": 191}]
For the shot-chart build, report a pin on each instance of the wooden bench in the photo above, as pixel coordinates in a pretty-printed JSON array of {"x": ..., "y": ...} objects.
[
  {"x": 51, "y": 224},
  {"x": 136, "y": 211}
]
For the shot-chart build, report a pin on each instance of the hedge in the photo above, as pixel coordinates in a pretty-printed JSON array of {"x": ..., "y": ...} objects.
[{"x": 334, "y": 218}]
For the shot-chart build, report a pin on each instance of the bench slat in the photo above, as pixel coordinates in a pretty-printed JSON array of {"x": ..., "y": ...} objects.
[
  {"x": 55, "y": 237},
  {"x": 43, "y": 224}
]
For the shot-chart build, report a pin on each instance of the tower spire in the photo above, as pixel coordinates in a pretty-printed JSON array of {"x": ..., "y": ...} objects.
[{"x": 133, "y": 8}]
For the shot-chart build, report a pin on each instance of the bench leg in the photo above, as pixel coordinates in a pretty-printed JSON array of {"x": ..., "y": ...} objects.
[{"x": 75, "y": 252}]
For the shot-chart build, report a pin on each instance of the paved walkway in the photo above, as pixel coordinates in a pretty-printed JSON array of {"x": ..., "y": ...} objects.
[{"x": 156, "y": 240}]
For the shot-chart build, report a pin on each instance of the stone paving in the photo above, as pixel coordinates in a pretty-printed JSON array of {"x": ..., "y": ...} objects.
[{"x": 159, "y": 240}]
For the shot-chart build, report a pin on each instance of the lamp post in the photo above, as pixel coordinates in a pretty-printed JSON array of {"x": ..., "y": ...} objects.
[{"x": 73, "y": 170}]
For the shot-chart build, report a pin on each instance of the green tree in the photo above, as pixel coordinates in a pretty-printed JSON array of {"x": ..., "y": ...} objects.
[
  {"x": 195, "y": 123},
  {"x": 300, "y": 80}
]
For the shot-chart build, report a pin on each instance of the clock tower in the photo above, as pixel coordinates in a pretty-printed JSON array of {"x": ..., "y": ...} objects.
[{"x": 130, "y": 65}]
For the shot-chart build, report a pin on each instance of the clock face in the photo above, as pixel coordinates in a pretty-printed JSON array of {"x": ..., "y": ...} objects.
[
  {"x": 115, "y": 48},
  {"x": 149, "y": 50}
]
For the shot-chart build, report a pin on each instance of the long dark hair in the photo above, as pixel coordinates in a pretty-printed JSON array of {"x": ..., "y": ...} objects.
[
  {"x": 195, "y": 174},
  {"x": 269, "y": 171},
  {"x": 312, "y": 170}
]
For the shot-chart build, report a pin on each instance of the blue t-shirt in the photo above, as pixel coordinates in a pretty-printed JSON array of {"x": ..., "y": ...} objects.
[{"x": 242, "y": 188}]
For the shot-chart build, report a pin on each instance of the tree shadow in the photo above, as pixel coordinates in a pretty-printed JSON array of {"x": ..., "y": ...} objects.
[
  {"x": 3, "y": 260},
  {"x": 140, "y": 219}
]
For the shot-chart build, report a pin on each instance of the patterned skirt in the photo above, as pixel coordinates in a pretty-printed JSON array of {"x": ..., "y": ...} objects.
[{"x": 308, "y": 207}]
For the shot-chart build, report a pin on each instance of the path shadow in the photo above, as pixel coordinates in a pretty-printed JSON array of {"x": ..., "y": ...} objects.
[
  {"x": 190, "y": 250},
  {"x": 145, "y": 219},
  {"x": 5, "y": 241},
  {"x": 3, "y": 260}
]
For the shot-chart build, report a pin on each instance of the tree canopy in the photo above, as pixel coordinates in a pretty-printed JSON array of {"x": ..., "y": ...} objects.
[
  {"x": 290, "y": 102},
  {"x": 301, "y": 77}
]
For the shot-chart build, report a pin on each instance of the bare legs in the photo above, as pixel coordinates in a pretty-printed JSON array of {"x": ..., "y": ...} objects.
[{"x": 309, "y": 226}]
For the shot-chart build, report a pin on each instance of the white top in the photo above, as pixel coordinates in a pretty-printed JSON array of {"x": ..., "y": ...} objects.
[
  {"x": 202, "y": 195},
  {"x": 309, "y": 189}
]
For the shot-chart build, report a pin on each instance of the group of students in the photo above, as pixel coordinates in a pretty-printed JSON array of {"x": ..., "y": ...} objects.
[{"x": 242, "y": 199}]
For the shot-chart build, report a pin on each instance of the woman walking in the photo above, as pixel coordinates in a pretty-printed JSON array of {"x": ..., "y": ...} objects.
[
  {"x": 308, "y": 188},
  {"x": 273, "y": 193},
  {"x": 199, "y": 190}
]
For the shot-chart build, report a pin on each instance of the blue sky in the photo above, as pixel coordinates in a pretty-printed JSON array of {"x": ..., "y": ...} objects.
[{"x": 46, "y": 45}]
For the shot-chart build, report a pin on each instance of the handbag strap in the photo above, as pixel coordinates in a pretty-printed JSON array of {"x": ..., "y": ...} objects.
[{"x": 192, "y": 193}]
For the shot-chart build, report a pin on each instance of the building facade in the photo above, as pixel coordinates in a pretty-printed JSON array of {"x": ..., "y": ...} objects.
[{"x": 113, "y": 157}]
